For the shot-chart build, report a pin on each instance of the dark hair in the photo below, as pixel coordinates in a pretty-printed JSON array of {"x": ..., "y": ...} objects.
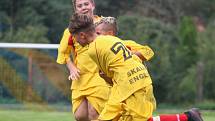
[
  {"x": 74, "y": 3},
  {"x": 81, "y": 22}
]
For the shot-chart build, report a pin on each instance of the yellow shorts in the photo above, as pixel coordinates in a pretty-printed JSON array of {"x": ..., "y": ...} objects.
[
  {"x": 96, "y": 96},
  {"x": 138, "y": 107}
]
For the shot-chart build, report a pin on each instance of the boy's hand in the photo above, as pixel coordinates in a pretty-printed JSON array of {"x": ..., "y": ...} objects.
[
  {"x": 106, "y": 78},
  {"x": 74, "y": 74},
  {"x": 73, "y": 70}
]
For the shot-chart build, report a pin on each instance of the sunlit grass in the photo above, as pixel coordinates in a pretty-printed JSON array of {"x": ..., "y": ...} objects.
[{"x": 18, "y": 113}]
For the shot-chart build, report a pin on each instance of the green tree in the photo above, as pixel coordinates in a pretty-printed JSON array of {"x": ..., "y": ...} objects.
[
  {"x": 114, "y": 7},
  {"x": 206, "y": 53},
  {"x": 184, "y": 59},
  {"x": 50, "y": 17}
]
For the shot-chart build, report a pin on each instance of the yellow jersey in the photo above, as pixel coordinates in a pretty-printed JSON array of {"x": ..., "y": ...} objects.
[
  {"x": 66, "y": 49},
  {"x": 117, "y": 61},
  {"x": 88, "y": 69}
]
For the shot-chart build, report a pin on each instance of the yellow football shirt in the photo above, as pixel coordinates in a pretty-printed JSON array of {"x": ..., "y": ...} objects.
[
  {"x": 88, "y": 69},
  {"x": 65, "y": 50},
  {"x": 117, "y": 61}
]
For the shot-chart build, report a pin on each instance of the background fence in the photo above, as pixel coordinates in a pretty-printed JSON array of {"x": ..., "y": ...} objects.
[{"x": 32, "y": 75}]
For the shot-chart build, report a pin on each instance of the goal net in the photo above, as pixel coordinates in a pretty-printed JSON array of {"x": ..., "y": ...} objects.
[{"x": 29, "y": 73}]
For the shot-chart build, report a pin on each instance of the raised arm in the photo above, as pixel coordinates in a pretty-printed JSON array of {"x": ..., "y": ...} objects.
[
  {"x": 64, "y": 50},
  {"x": 144, "y": 52}
]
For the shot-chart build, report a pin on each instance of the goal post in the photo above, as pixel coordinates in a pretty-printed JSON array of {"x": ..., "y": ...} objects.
[{"x": 29, "y": 45}]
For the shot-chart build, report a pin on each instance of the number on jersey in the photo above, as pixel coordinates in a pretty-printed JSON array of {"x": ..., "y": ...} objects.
[{"x": 119, "y": 46}]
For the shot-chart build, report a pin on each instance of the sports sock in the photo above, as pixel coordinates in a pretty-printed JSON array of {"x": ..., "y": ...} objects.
[{"x": 170, "y": 117}]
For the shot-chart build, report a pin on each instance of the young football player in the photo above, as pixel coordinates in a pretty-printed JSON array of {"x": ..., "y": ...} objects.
[{"x": 131, "y": 97}]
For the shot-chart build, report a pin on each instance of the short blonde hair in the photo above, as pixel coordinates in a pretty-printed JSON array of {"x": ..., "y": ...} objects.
[
  {"x": 110, "y": 24},
  {"x": 106, "y": 20}
]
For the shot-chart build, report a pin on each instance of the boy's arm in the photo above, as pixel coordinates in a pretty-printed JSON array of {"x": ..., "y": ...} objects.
[
  {"x": 145, "y": 53},
  {"x": 63, "y": 57},
  {"x": 64, "y": 50}
]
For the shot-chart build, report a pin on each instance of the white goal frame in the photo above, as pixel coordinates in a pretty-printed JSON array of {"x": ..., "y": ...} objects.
[{"x": 29, "y": 45}]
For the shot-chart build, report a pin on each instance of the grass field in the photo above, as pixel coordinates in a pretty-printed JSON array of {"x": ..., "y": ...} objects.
[
  {"x": 19, "y": 115},
  {"x": 36, "y": 114},
  {"x": 29, "y": 115}
]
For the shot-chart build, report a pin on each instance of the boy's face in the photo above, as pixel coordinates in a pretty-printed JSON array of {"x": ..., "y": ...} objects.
[
  {"x": 100, "y": 30},
  {"x": 85, "y": 7},
  {"x": 85, "y": 38}
]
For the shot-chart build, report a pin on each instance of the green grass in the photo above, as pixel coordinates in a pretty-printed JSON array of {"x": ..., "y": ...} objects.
[
  {"x": 20, "y": 115},
  {"x": 35, "y": 112},
  {"x": 31, "y": 115}
]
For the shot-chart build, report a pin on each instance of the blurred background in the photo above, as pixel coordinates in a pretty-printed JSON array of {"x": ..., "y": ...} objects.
[{"x": 181, "y": 33}]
